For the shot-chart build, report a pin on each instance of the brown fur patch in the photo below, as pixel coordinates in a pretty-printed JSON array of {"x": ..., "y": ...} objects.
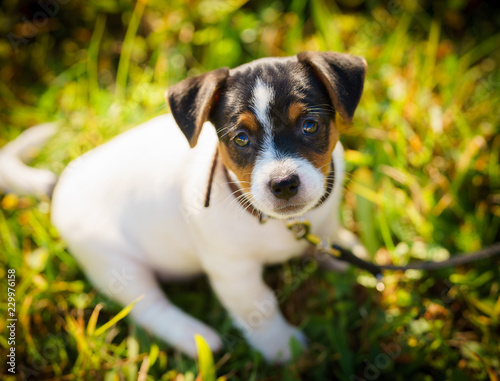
[
  {"x": 322, "y": 161},
  {"x": 249, "y": 120},
  {"x": 295, "y": 110},
  {"x": 244, "y": 174}
]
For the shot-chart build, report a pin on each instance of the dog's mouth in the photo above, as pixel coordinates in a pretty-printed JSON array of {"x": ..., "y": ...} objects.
[
  {"x": 290, "y": 208},
  {"x": 283, "y": 210}
]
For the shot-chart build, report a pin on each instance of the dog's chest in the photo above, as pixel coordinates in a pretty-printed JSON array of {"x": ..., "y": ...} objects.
[
  {"x": 269, "y": 243},
  {"x": 261, "y": 249},
  {"x": 225, "y": 228}
]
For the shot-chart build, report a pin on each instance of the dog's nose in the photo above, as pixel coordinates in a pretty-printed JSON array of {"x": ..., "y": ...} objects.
[{"x": 285, "y": 188}]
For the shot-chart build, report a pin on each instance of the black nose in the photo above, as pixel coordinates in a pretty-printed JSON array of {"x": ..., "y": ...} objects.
[{"x": 285, "y": 188}]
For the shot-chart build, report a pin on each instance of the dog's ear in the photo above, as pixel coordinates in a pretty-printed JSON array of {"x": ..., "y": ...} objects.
[
  {"x": 342, "y": 74},
  {"x": 190, "y": 101}
]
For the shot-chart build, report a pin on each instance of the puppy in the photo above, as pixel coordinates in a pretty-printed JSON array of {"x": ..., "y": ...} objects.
[{"x": 190, "y": 192}]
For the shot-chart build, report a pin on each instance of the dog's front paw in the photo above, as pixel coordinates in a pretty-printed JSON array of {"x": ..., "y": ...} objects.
[
  {"x": 274, "y": 344},
  {"x": 277, "y": 350},
  {"x": 185, "y": 340}
]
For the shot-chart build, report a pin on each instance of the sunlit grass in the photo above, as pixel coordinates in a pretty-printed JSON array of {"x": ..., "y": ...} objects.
[{"x": 424, "y": 182}]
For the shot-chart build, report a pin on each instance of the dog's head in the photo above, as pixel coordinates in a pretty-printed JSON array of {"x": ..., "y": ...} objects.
[{"x": 275, "y": 119}]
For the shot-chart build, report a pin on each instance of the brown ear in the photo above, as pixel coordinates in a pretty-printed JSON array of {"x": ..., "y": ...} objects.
[
  {"x": 190, "y": 101},
  {"x": 342, "y": 74}
]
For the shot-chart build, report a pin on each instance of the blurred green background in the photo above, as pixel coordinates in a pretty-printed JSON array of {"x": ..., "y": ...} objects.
[{"x": 424, "y": 181}]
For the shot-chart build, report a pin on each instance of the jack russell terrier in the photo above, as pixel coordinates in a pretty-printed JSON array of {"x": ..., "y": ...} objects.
[{"x": 188, "y": 193}]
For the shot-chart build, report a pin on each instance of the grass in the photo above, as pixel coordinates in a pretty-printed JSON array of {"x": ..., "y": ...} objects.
[{"x": 423, "y": 157}]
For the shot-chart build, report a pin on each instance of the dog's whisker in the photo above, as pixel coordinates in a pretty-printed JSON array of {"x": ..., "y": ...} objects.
[
  {"x": 325, "y": 165},
  {"x": 329, "y": 109},
  {"x": 238, "y": 182},
  {"x": 245, "y": 205},
  {"x": 229, "y": 130},
  {"x": 241, "y": 198},
  {"x": 238, "y": 199},
  {"x": 232, "y": 195},
  {"x": 235, "y": 198}
]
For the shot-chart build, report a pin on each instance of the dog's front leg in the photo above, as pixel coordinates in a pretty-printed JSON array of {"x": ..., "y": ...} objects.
[{"x": 254, "y": 308}]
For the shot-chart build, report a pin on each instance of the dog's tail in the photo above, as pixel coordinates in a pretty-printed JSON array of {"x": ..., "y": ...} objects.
[{"x": 15, "y": 175}]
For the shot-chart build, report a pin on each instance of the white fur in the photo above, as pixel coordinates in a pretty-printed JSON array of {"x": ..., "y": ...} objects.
[
  {"x": 19, "y": 178},
  {"x": 262, "y": 96},
  {"x": 133, "y": 208}
]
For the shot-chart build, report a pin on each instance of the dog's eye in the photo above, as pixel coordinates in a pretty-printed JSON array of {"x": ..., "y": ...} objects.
[
  {"x": 309, "y": 127},
  {"x": 241, "y": 139}
]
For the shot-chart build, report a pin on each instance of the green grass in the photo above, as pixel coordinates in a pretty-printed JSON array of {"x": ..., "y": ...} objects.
[{"x": 423, "y": 158}]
